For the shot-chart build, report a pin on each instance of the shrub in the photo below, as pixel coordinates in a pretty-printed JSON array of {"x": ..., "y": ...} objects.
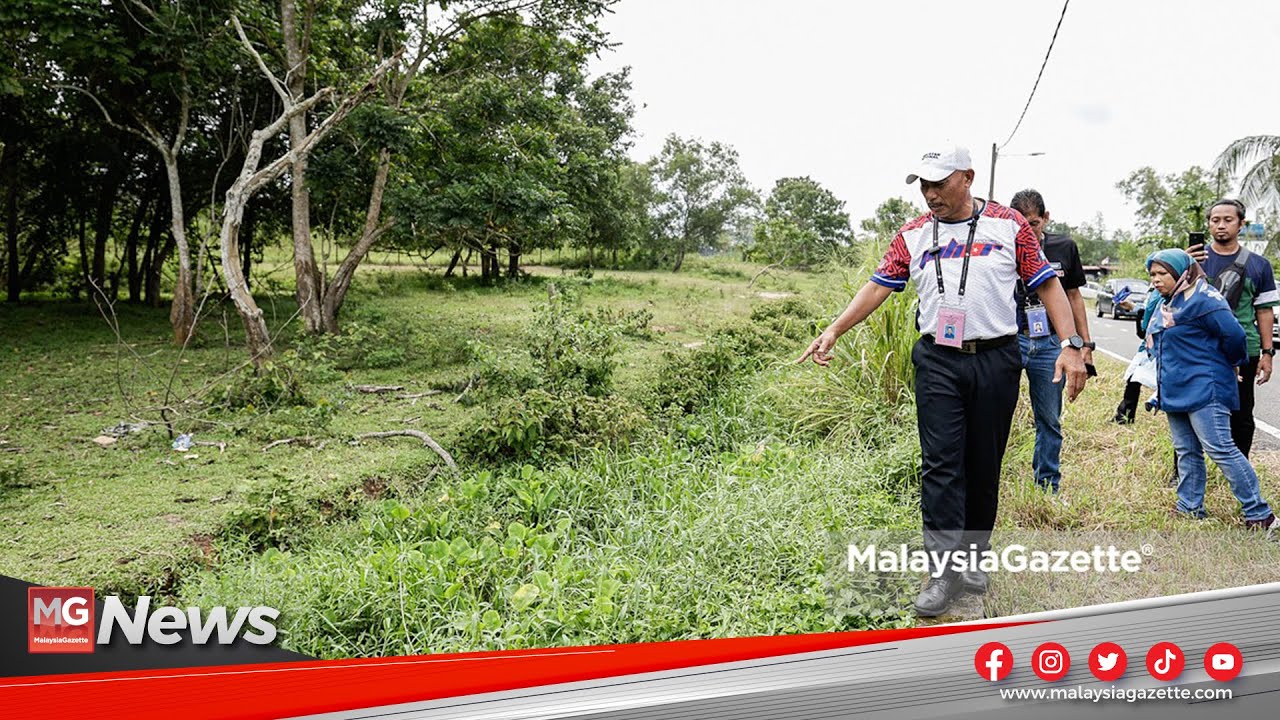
[
  {"x": 539, "y": 425},
  {"x": 276, "y": 383},
  {"x": 565, "y": 350},
  {"x": 791, "y": 317},
  {"x": 572, "y": 350},
  {"x": 268, "y": 512},
  {"x": 359, "y": 346},
  {"x": 687, "y": 379},
  {"x": 634, "y": 323},
  {"x": 865, "y": 397}
]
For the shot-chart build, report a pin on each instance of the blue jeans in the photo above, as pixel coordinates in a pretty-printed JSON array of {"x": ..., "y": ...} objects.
[
  {"x": 1208, "y": 430},
  {"x": 1038, "y": 358}
]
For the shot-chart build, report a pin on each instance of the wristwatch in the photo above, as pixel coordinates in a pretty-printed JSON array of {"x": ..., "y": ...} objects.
[
  {"x": 1269, "y": 351},
  {"x": 1075, "y": 342}
]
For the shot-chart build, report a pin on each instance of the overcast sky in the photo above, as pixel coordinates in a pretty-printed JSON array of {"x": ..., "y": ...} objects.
[{"x": 852, "y": 93}]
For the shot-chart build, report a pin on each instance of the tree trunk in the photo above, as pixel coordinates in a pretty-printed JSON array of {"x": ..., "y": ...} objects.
[
  {"x": 247, "y": 233},
  {"x": 182, "y": 314},
  {"x": 10, "y": 162},
  {"x": 310, "y": 293},
  {"x": 453, "y": 262},
  {"x": 489, "y": 271},
  {"x": 131, "y": 250},
  {"x": 257, "y": 338},
  {"x": 679, "y": 260},
  {"x": 159, "y": 247},
  {"x": 336, "y": 292},
  {"x": 81, "y": 236},
  {"x": 103, "y": 216},
  {"x": 513, "y": 261}
]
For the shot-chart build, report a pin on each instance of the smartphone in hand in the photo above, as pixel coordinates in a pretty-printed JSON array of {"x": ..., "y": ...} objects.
[{"x": 1195, "y": 238}]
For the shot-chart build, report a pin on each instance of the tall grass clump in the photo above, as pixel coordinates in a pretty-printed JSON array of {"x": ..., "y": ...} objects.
[{"x": 865, "y": 398}]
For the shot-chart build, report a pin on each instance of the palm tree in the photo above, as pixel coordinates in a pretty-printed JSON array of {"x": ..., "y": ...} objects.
[{"x": 1260, "y": 185}]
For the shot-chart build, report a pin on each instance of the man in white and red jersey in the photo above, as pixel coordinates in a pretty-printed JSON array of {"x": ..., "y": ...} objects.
[{"x": 964, "y": 257}]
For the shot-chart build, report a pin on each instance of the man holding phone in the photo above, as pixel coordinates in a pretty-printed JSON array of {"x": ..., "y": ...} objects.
[{"x": 1248, "y": 283}]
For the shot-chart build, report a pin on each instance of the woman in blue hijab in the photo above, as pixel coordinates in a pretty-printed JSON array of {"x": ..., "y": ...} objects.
[{"x": 1198, "y": 343}]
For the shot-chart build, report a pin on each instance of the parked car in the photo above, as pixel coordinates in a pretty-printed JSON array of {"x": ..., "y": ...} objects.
[
  {"x": 1090, "y": 290},
  {"x": 1133, "y": 298}
]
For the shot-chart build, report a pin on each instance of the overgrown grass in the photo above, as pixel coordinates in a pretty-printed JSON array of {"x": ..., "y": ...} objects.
[{"x": 659, "y": 469}]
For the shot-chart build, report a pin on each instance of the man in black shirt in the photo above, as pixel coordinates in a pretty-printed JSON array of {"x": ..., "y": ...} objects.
[{"x": 1039, "y": 340}]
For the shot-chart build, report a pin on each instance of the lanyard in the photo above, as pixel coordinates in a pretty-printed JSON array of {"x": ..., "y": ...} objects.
[{"x": 968, "y": 248}]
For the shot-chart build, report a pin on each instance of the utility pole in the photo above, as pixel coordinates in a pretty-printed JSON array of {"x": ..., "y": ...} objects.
[
  {"x": 995, "y": 154},
  {"x": 991, "y": 191}
]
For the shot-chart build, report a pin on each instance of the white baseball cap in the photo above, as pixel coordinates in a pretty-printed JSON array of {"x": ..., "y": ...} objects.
[{"x": 937, "y": 165}]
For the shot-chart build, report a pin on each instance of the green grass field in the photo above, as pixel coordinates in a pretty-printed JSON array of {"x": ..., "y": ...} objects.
[{"x": 639, "y": 460}]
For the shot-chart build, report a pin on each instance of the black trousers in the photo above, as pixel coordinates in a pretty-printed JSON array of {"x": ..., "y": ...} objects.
[
  {"x": 1128, "y": 407},
  {"x": 964, "y": 406},
  {"x": 1242, "y": 424}
]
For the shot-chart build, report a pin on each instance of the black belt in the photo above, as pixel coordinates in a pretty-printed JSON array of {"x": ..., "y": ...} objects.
[{"x": 973, "y": 347}]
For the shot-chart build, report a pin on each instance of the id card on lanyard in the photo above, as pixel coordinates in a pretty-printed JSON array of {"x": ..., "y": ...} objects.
[
  {"x": 1037, "y": 321},
  {"x": 950, "y": 328}
]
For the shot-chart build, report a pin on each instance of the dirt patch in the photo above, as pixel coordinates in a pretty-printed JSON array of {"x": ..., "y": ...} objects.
[
  {"x": 374, "y": 487},
  {"x": 204, "y": 544},
  {"x": 775, "y": 295}
]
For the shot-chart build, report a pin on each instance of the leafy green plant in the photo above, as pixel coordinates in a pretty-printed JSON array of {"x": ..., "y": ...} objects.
[
  {"x": 361, "y": 345},
  {"x": 541, "y": 425},
  {"x": 566, "y": 349},
  {"x": 277, "y": 383}
]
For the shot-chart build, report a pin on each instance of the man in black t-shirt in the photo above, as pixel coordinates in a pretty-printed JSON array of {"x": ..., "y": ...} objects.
[{"x": 1039, "y": 340}]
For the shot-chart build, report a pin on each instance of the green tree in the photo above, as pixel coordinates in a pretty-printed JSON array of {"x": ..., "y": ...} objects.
[
  {"x": 698, "y": 189},
  {"x": 889, "y": 217},
  {"x": 1259, "y": 157},
  {"x": 518, "y": 150},
  {"x": 1091, "y": 238},
  {"x": 1169, "y": 206},
  {"x": 803, "y": 224}
]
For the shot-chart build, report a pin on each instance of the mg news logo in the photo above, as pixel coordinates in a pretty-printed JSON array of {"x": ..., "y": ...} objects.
[{"x": 61, "y": 620}]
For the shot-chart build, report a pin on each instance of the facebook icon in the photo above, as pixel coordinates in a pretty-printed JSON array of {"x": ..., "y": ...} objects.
[{"x": 993, "y": 661}]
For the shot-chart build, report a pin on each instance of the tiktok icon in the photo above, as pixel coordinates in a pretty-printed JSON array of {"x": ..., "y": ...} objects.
[{"x": 1165, "y": 661}]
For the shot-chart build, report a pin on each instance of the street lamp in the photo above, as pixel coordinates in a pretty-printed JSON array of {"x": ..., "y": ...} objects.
[{"x": 995, "y": 153}]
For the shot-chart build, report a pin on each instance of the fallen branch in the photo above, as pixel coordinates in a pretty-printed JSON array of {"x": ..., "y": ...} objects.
[
  {"x": 764, "y": 271},
  {"x": 425, "y": 438},
  {"x": 378, "y": 389},
  {"x": 287, "y": 441},
  {"x": 222, "y": 447},
  {"x": 464, "y": 390},
  {"x": 415, "y": 396}
]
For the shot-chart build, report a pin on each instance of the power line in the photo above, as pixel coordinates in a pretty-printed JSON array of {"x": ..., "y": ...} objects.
[{"x": 1040, "y": 74}]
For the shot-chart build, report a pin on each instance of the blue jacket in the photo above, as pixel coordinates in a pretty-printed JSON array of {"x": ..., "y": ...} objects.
[{"x": 1197, "y": 355}]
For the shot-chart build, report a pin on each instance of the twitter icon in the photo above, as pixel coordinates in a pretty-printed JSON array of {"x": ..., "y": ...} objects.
[{"x": 1108, "y": 661}]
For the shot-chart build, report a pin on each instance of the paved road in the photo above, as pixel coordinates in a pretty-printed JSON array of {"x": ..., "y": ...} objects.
[{"x": 1118, "y": 339}]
